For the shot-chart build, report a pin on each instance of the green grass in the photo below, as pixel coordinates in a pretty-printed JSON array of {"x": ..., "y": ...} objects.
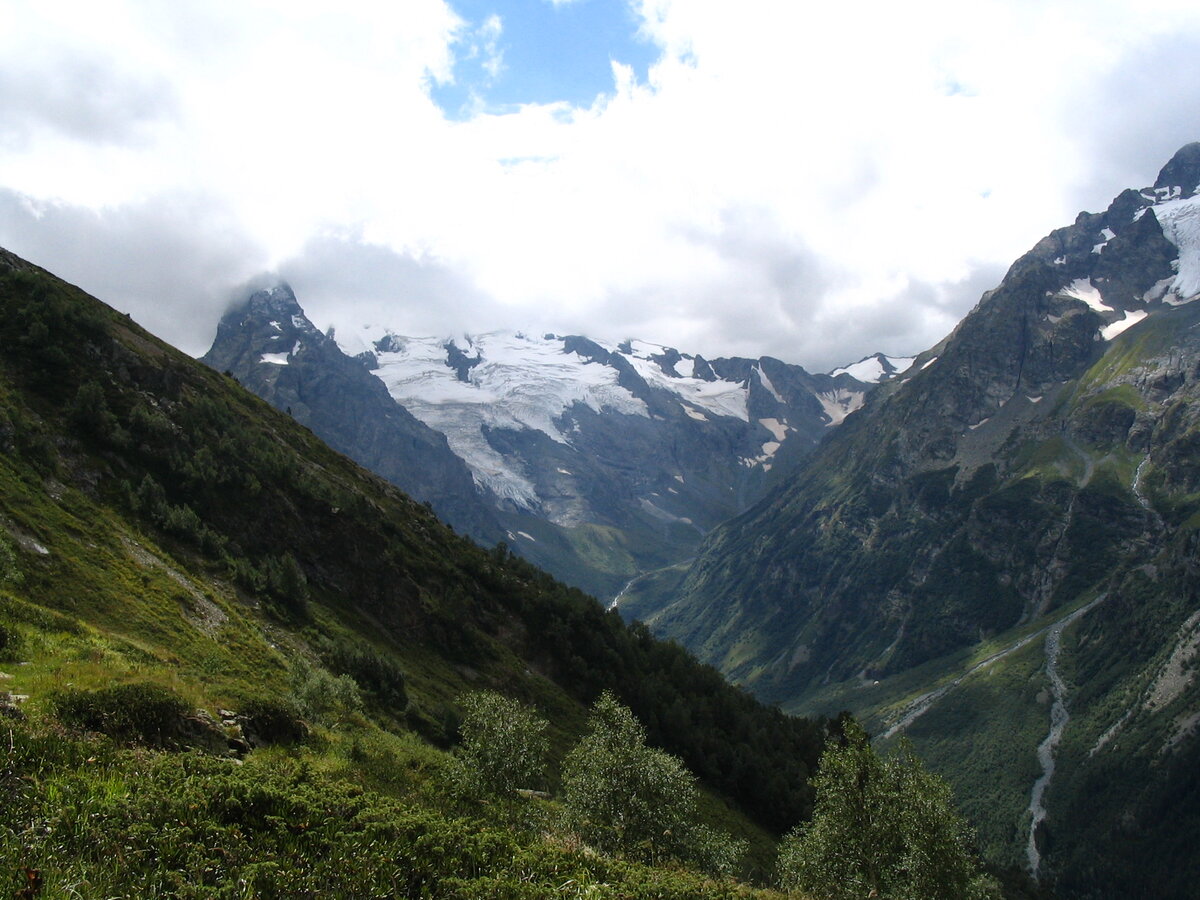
[
  {"x": 87, "y": 818},
  {"x": 355, "y": 810},
  {"x": 1005, "y": 711},
  {"x": 1152, "y": 338}
]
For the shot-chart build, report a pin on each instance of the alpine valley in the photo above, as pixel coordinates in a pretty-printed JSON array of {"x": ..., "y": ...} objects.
[
  {"x": 993, "y": 554},
  {"x": 990, "y": 549},
  {"x": 601, "y": 464},
  {"x": 997, "y": 557},
  {"x": 233, "y": 660}
]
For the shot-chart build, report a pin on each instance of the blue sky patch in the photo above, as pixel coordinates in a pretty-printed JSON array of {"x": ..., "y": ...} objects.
[{"x": 532, "y": 51}]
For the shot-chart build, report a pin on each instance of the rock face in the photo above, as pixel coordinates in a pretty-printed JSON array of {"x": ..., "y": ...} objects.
[
  {"x": 272, "y": 349},
  {"x": 1040, "y": 457},
  {"x": 596, "y": 462}
]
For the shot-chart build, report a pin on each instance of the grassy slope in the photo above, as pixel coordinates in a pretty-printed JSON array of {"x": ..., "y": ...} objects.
[{"x": 172, "y": 584}]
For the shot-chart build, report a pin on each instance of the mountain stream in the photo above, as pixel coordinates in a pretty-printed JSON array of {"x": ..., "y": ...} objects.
[
  {"x": 1137, "y": 483},
  {"x": 1058, "y": 723},
  {"x": 616, "y": 601}
]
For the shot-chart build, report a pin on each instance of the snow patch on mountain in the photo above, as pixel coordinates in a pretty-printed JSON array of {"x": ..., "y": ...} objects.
[
  {"x": 1083, "y": 289},
  {"x": 357, "y": 341},
  {"x": 1162, "y": 194},
  {"x": 777, "y": 428},
  {"x": 875, "y": 369},
  {"x": 1107, "y": 235},
  {"x": 766, "y": 383},
  {"x": 1132, "y": 317},
  {"x": 1180, "y": 222},
  {"x": 840, "y": 403},
  {"x": 1158, "y": 291},
  {"x": 779, "y": 431},
  {"x": 719, "y": 398},
  {"x": 520, "y": 383}
]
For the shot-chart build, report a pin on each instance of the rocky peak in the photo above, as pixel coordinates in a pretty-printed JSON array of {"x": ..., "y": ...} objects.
[
  {"x": 279, "y": 300},
  {"x": 1183, "y": 171}
]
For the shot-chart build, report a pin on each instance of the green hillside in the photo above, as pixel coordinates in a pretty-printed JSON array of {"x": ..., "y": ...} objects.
[{"x": 223, "y": 647}]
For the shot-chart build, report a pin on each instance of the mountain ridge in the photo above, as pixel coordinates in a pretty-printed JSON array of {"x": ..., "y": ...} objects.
[
  {"x": 323, "y": 389},
  {"x": 598, "y": 462},
  {"x": 1036, "y": 459}
]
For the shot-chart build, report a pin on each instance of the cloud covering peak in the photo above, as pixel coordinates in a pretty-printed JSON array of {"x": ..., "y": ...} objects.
[{"x": 814, "y": 184}]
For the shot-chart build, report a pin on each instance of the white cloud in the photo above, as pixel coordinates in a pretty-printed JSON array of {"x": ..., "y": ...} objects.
[
  {"x": 493, "y": 58},
  {"x": 814, "y": 182}
]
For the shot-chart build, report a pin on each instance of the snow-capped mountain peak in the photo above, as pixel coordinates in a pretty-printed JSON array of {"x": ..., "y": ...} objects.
[
  {"x": 473, "y": 388},
  {"x": 596, "y": 459},
  {"x": 876, "y": 368}
]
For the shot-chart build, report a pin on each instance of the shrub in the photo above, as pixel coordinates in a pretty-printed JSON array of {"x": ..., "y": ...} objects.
[
  {"x": 882, "y": 827},
  {"x": 139, "y": 711},
  {"x": 503, "y": 748},
  {"x": 621, "y": 795},
  {"x": 89, "y": 412},
  {"x": 322, "y": 697},
  {"x": 272, "y": 720},
  {"x": 373, "y": 671},
  {"x": 10, "y": 643},
  {"x": 287, "y": 583},
  {"x": 10, "y": 572}
]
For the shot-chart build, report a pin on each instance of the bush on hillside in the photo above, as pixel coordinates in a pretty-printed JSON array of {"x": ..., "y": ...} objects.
[
  {"x": 140, "y": 711},
  {"x": 626, "y": 797},
  {"x": 272, "y": 720},
  {"x": 10, "y": 643},
  {"x": 322, "y": 697},
  {"x": 503, "y": 749},
  {"x": 883, "y": 827}
]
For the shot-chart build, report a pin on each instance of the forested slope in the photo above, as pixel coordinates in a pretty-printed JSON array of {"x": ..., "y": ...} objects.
[{"x": 163, "y": 526}]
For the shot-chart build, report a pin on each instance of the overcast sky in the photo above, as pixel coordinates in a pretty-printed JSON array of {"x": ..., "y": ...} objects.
[{"x": 809, "y": 181}]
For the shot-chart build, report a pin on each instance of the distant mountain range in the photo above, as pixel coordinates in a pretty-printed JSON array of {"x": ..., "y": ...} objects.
[{"x": 600, "y": 463}]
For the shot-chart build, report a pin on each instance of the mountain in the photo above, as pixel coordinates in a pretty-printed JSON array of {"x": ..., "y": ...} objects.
[
  {"x": 876, "y": 368},
  {"x": 599, "y": 463},
  {"x": 275, "y": 351},
  {"x": 996, "y": 556},
  {"x": 183, "y": 562}
]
